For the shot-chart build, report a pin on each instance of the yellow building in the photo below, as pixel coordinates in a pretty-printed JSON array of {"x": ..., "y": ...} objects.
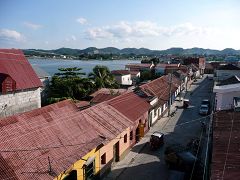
[{"x": 88, "y": 166}]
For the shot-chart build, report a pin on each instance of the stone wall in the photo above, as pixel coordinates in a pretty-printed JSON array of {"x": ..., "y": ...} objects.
[{"x": 20, "y": 101}]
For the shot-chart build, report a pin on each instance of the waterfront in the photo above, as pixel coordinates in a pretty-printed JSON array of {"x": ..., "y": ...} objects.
[{"x": 51, "y": 65}]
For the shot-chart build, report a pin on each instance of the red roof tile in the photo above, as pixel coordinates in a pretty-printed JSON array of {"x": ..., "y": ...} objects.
[
  {"x": 58, "y": 131},
  {"x": 226, "y": 146},
  {"x": 131, "y": 105},
  {"x": 14, "y": 64}
]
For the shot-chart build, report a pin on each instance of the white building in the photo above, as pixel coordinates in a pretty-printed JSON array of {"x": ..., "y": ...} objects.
[
  {"x": 226, "y": 91},
  {"x": 19, "y": 84},
  {"x": 123, "y": 77},
  {"x": 226, "y": 71}
]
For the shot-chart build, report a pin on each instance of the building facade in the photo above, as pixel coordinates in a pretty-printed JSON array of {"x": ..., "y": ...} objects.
[{"x": 19, "y": 84}]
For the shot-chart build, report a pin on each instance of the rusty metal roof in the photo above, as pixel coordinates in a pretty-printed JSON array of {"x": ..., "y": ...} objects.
[
  {"x": 103, "y": 97},
  {"x": 120, "y": 72},
  {"x": 58, "y": 131},
  {"x": 160, "y": 87},
  {"x": 226, "y": 146},
  {"x": 14, "y": 64},
  {"x": 131, "y": 105},
  {"x": 108, "y": 91}
]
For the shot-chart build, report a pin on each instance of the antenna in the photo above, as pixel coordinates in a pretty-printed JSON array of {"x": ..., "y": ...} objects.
[{"x": 49, "y": 166}]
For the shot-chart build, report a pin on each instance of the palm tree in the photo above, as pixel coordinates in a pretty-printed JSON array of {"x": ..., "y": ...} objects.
[{"x": 103, "y": 78}]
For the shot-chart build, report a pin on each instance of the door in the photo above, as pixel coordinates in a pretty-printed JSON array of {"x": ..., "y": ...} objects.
[{"x": 116, "y": 152}]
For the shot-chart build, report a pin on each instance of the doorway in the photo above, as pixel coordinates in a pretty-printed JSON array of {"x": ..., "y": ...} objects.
[{"x": 116, "y": 152}]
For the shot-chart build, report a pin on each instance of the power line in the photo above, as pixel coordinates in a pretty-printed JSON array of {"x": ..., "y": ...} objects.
[
  {"x": 229, "y": 141},
  {"x": 194, "y": 164},
  {"x": 206, "y": 154},
  {"x": 45, "y": 148}
]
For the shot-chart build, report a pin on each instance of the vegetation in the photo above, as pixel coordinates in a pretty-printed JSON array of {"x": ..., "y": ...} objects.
[
  {"x": 103, "y": 78},
  {"x": 70, "y": 83}
]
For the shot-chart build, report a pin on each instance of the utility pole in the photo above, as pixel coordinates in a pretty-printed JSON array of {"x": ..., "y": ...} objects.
[{"x": 170, "y": 94}]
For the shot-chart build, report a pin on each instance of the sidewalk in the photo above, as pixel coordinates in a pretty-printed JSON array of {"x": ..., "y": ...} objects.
[{"x": 119, "y": 167}]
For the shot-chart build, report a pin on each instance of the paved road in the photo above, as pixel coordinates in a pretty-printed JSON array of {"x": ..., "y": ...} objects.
[{"x": 184, "y": 126}]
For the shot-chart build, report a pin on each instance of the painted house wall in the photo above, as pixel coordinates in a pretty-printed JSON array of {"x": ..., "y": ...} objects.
[
  {"x": 224, "y": 74},
  {"x": 108, "y": 150},
  {"x": 78, "y": 166},
  {"x": 124, "y": 79},
  {"x": 19, "y": 101}
]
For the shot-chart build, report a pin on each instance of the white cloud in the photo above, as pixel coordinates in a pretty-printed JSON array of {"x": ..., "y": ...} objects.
[
  {"x": 81, "y": 20},
  {"x": 73, "y": 38},
  {"x": 144, "y": 29},
  {"x": 32, "y": 25},
  {"x": 11, "y": 35}
]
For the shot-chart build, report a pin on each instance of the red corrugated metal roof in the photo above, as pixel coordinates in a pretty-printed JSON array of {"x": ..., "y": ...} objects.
[
  {"x": 103, "y": 97},
  {"x": 108, "y": 91},
  {"x": 139, "y": 65},
  {"x": 73, "y": 133},
  {"x": 160, "y": 87},
  {"x": 131, "y": 105},
  {"x": 14, "y": 64},
  {"x": 226, "y": 146},
  {"x": 120, "y": 72}
]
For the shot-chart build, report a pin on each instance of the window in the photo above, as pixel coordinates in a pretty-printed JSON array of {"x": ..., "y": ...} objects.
[
  {"x": 103, "y": 159},
  {"x": 125, "y": 138},
  {"x": 131, "y": 135},
  {"x": 71, "y": 176},
  {"x": 89, "y": 169}
]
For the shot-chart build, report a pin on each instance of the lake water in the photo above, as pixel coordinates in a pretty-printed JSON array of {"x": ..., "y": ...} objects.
[{"x": 51, "y": 65}]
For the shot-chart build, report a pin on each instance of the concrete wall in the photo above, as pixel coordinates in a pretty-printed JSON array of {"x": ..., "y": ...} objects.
[
  {"x": 126, "y": 80},
  {"x": 224, "y": 101},
  {"x": 20, "y": 101},
  {"x": 224, "y": 74}
]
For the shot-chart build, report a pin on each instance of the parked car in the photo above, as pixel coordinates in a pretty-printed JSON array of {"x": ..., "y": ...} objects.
[
  {"x": 186, "y": 103},
  {"x": 206, "y": 102},
  {"x": 156, "y": 140},
  {"x": 204, "y": 109}
]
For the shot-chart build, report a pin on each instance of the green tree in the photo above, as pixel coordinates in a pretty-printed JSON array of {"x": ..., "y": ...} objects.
[
  {"x": 103, "y": 78},
  {"x": 69, "y": 83}
]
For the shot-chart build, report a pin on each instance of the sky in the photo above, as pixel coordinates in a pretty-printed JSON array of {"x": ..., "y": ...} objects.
[{"x": 153, "y": 24}]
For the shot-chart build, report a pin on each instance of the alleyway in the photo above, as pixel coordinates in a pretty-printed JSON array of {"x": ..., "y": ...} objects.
[{"x": 142, "y": 162}]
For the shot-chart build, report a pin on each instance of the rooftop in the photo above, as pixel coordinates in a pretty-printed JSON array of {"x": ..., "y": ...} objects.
[
  {"x": 131, "y": 105},
  {"x": 228, "y": 67},
  {"x": 14, "y": 64},
  {"x": 58, "y": 131},
  {"x": 109, "y": 91},
  {"x": 226, "y": 154},
  {"x": 120, "y": 72},
  {"x": 232, "y": 80}
]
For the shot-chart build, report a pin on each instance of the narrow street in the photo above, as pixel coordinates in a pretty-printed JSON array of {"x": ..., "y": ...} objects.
[{"x": 179, "y": 129}]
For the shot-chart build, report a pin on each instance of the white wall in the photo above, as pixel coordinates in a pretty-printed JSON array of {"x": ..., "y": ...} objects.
[
  {"x": 21, "y": 101},
  {"x": 126, "y": 80},
  {"x": 224, "y": 74},
  {"x": 224, "y": 101}
]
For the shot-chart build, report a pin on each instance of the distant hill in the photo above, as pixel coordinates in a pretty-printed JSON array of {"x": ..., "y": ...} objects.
[{"x": 134, "y": 51}]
